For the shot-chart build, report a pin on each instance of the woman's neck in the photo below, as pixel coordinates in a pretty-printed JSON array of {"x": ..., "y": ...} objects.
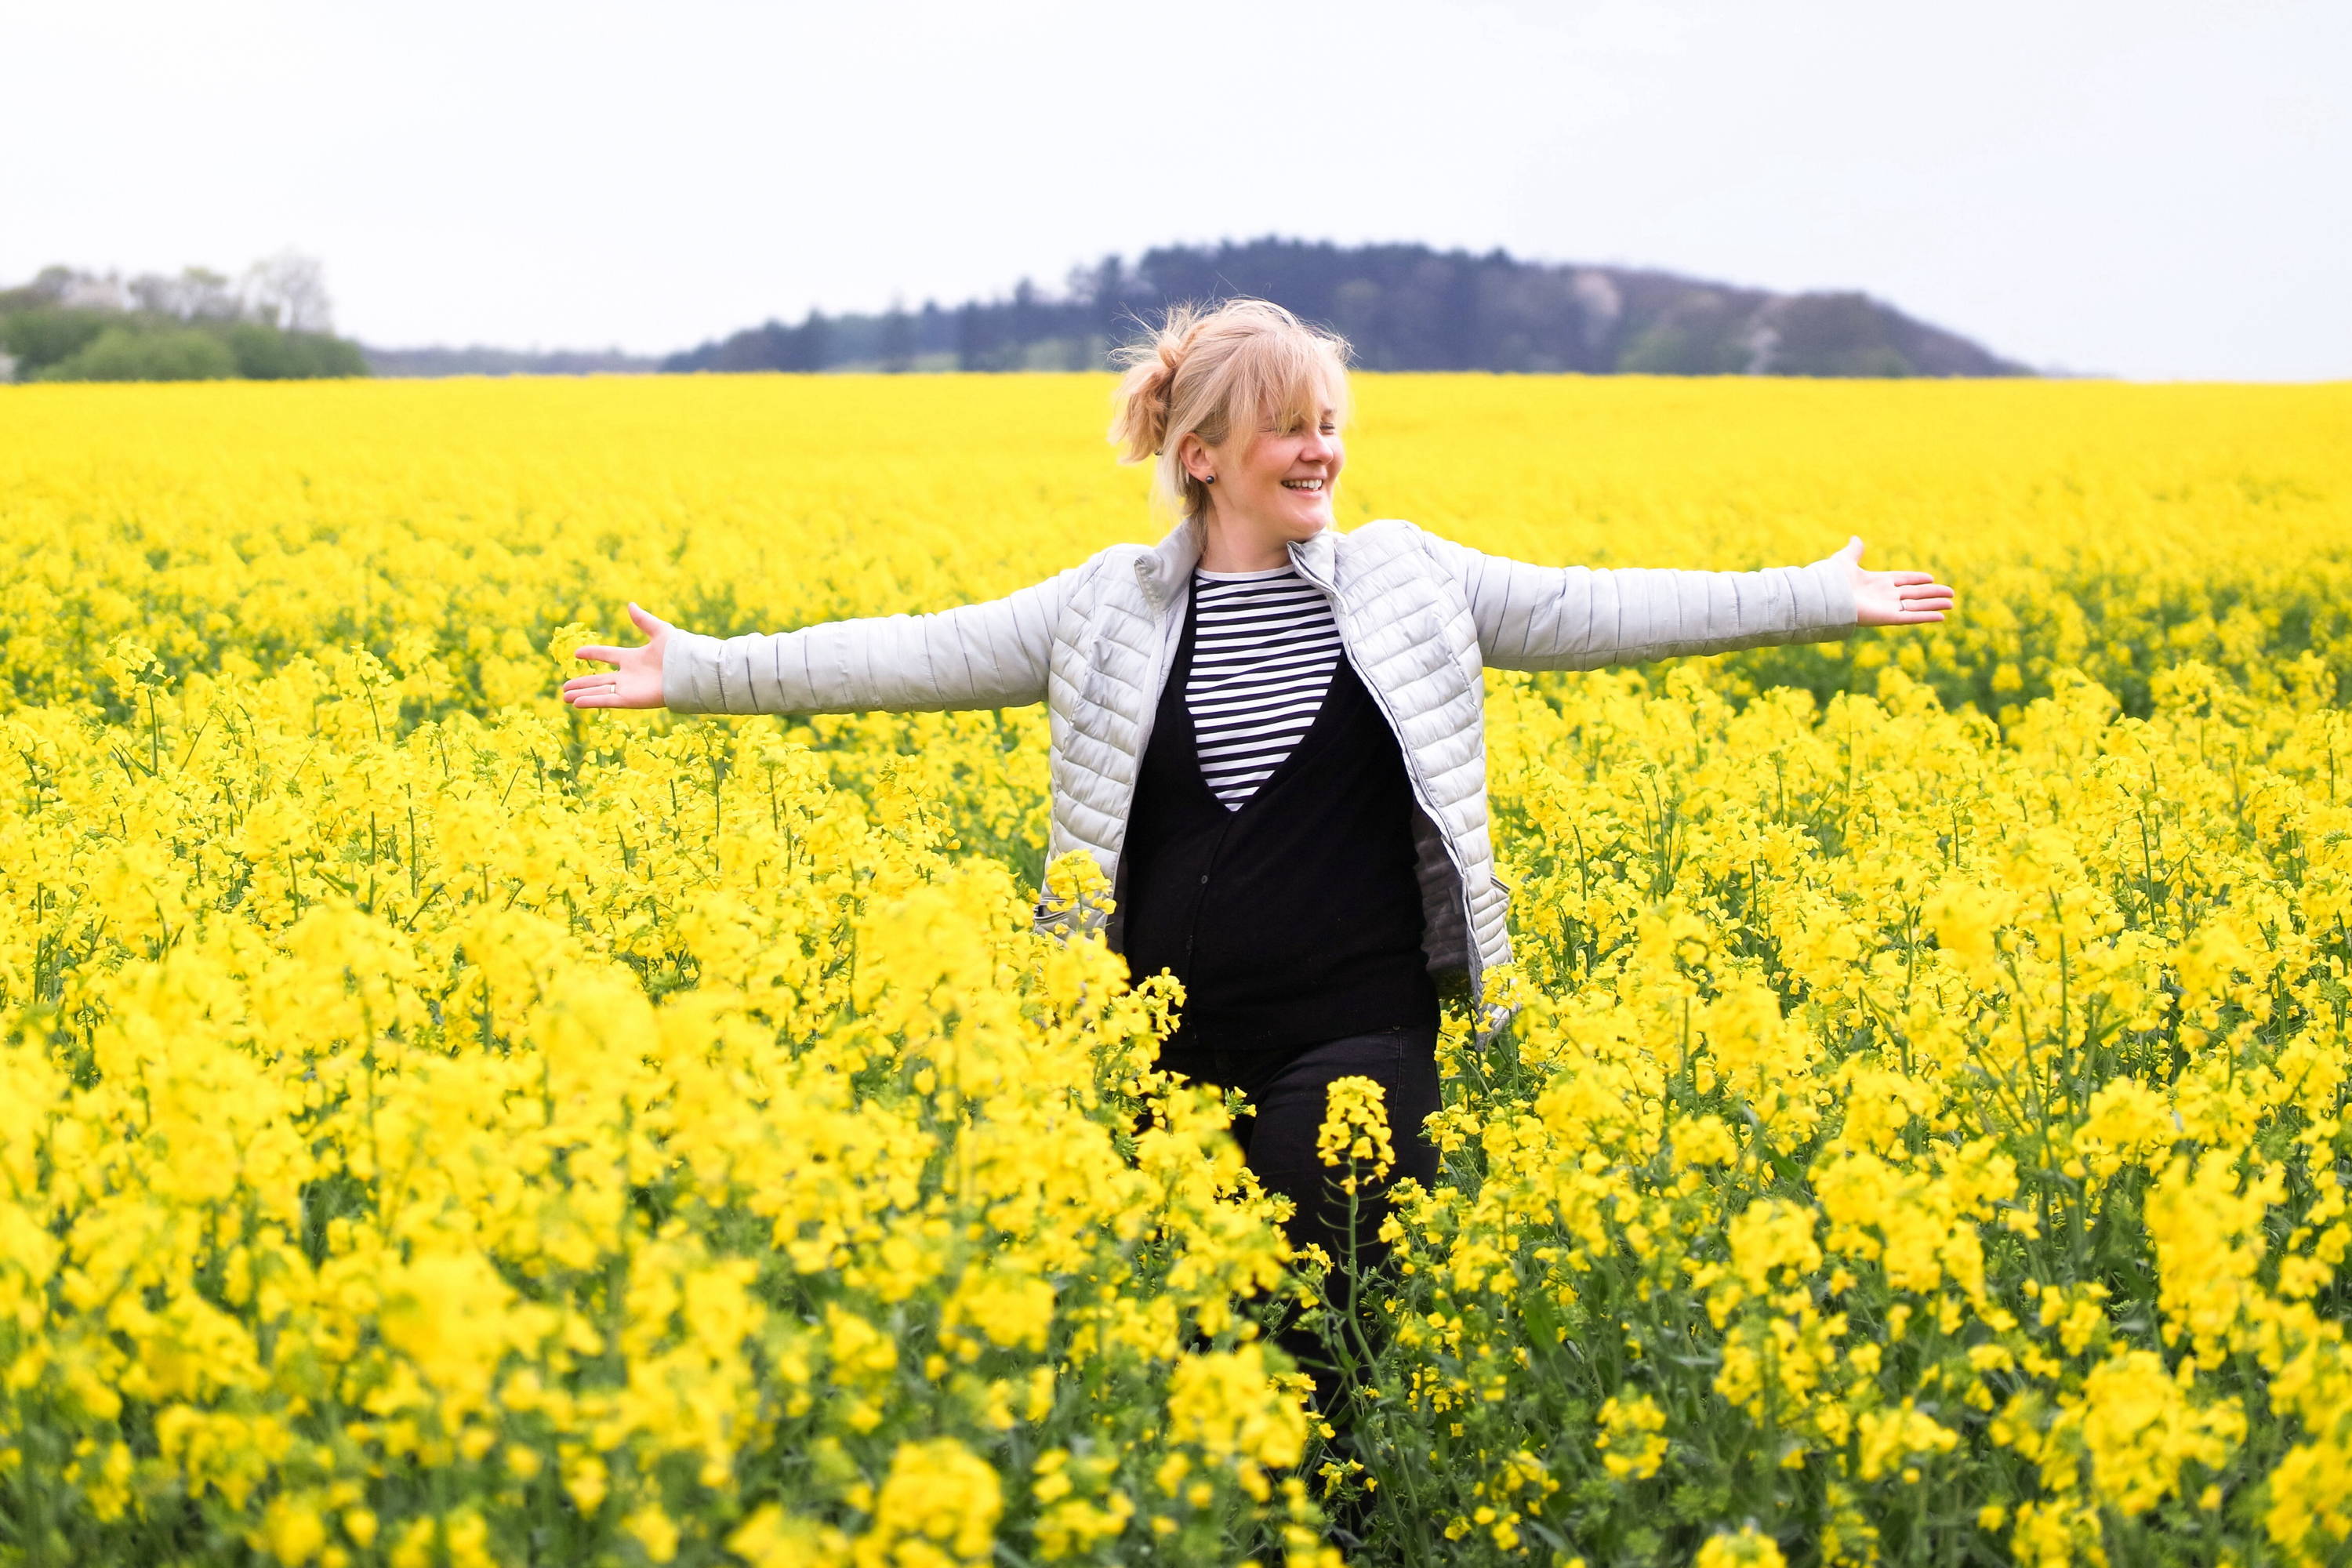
[{"x": 1229, "y": 546}]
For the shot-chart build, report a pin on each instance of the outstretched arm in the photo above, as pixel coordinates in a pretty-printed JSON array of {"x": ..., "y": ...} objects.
[
  {"x": 1579, "y": 617},
  {"x": 990, "y": 655}
]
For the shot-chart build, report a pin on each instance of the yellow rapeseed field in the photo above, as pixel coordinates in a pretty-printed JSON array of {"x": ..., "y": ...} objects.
[{"x": 440, "y": 1127}]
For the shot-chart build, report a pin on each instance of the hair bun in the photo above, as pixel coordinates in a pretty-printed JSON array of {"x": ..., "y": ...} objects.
[
  {"x": 1147, "y": 392},
  {"x": 1170, "y": 346}
]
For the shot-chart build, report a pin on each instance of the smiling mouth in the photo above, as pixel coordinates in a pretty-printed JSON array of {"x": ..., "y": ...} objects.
[{"x": 1311, "y": 486}]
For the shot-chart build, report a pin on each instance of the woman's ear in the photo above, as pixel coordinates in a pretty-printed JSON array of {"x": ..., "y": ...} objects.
[{"x": 1193, "y": 456}]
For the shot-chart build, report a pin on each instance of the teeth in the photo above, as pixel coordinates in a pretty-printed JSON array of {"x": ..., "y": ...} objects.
[{"x": 1302, "y": 484}]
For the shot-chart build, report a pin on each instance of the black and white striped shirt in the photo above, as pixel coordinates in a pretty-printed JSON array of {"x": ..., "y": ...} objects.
[{"x": 1264, "y": 647}]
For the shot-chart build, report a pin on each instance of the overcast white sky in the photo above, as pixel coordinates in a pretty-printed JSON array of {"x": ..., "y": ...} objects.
[{"x": 2147, "y": 187}]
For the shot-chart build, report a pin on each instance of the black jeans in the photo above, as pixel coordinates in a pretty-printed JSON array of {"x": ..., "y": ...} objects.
[{"x": 1286, "y": 1089}]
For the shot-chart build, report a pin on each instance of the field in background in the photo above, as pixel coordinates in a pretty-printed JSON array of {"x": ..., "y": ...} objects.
[
  {"x": 2115, "y": 530},
  {"x": 438, "y": 1128}
]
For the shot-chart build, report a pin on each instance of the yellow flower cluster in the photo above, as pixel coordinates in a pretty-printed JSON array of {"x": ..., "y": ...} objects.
[
  {"x": 416, "y": 1139},
  {"x": 437, "y": 1127},
  {"x": 1913, "y": 1140},
  {"x": 1355, "y": 1131}
]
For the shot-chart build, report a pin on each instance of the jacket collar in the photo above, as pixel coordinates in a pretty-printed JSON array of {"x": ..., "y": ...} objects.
[
  {"x": 1169, "y": 564},
  {"x": 1316, "y": 556},
  {"x": 1171, "y": 561}
]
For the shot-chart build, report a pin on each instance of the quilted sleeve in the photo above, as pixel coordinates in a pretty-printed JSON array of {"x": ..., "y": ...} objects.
[
  {"x": 1579, "y": 617},
  {"x": 990, "y": 655}
]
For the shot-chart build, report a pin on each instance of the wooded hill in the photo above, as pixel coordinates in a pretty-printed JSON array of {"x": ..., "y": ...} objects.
[{"x": 1403, "y": 307}]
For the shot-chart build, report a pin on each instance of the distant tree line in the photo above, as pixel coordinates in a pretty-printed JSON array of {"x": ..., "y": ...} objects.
[
  {"x": 478, "y": 360},
  {"x": 273, "y": 324},
  {"x": 1403, "y": 307}
]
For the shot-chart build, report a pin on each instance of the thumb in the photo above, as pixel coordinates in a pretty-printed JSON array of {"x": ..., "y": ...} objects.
[
  {"x": 1853, "y": 551},
  {"x": 645, "y": 621}
]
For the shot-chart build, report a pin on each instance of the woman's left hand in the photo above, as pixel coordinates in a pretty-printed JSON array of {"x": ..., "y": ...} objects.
[{"x": 1893, "y": 598}]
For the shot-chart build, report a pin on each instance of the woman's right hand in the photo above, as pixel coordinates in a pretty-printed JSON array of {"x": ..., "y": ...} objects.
[{"x": 635, "y": 678}]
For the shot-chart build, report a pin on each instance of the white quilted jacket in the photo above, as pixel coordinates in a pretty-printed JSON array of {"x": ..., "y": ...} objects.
[{"x": 1418, "y": 616}]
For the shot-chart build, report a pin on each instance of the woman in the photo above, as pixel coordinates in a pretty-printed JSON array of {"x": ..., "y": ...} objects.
[{"x": 1267, "y": 733}]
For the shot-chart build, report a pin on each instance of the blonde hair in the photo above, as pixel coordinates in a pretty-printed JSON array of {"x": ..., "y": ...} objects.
[{"x": 1206, "y": 370}]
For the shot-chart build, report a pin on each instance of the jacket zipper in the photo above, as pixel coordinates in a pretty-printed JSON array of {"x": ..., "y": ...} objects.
[
  {"x": 1161, "y": 660},
  {"x": 1411, "y": 774}
]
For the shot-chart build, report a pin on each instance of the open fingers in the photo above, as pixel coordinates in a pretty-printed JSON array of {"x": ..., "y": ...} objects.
[
  {"x": 1902, "y": 599},
  {"x": 595, "y": 691},
  {"x": 599, "y": 654},
  {"x": 1920, "y": 611}
]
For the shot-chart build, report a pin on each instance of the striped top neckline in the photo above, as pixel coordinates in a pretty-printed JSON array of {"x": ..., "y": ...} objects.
[{"x": 1265, "y": 646}]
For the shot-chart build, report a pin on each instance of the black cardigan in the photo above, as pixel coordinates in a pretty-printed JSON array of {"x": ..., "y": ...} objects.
[{"x": 1297, "y": 918}]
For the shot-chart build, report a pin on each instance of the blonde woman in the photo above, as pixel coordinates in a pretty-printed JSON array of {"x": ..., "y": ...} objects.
[{"x": 1268, "y": 733}]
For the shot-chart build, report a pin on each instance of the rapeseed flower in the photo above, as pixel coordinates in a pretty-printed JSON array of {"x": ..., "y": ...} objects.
[{"x": 439, "y": 1127}]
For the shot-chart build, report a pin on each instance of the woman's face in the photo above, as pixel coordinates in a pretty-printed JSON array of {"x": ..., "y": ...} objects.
[{"x": 1276, "y": 482}]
